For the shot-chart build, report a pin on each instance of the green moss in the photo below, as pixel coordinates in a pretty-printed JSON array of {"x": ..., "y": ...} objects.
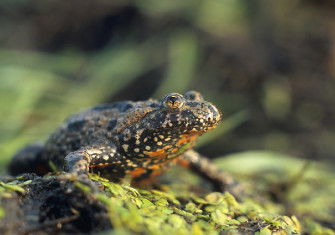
[
  {"x": 159, "y": 212},
  {"x": 292, "y": 199},
  {"x": 177, "y": 209}
]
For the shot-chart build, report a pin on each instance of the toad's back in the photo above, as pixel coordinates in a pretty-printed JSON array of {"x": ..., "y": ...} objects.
[{"x": 98, "y": 125}]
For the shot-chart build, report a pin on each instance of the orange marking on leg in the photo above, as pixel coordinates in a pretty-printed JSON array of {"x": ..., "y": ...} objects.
[
  {"x": 147, "y": 181},
  {"x": 156, "y": 173},
  {"x": 160, "y": 166},
  {"x": 144, "y": 182},
  {"x": 137, "y": 172},
  {"x": 155, "y": 167},
  {"x": 183, "y": 163}
]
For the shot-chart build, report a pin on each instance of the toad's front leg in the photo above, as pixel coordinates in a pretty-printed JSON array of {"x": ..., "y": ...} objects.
[
  {"x": 83, "y": 160},
  {"x": 201, "y": 165}
]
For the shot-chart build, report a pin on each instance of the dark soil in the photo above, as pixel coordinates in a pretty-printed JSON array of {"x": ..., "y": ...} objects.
[{"x": 52, "y": 206}]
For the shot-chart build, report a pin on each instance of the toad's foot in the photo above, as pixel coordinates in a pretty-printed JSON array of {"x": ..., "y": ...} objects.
[{"x": 222, "y": 181}]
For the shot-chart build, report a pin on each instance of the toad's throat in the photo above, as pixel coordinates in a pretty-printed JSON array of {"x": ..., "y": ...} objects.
[{"x": 185, "y": 142}]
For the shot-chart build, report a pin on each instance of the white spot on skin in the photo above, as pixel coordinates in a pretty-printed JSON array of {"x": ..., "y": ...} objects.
[
  {"x": 138, "y": 134},
  {"x": 137, "y": 142},
  {"x": 147, "y": 147},
  {"x": 167, "y": 139},
  {"x": 125, "y": 147},
  {"x": 159, "y": 143},
  {"x": 161, "y": 136},
  {"x": 145, "y": 139},
  {"x": 105, "y": 157},
  {"x": 93, "y": 151},
  {"x": 136, "y": 150},
  {"x": 155, "y": 139}
]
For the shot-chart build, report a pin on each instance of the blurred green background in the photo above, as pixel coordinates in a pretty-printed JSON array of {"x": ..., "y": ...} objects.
[{"x": 269, "y": 65}]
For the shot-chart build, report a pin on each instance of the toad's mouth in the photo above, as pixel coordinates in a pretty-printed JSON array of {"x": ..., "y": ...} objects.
[{"x": 201, "y": 131}]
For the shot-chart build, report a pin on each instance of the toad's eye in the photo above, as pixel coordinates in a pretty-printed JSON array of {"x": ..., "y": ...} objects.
[{"x": 173, "y": 101}]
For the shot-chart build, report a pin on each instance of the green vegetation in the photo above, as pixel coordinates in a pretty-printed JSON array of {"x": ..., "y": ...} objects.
[{"x": 181, "y": 207}]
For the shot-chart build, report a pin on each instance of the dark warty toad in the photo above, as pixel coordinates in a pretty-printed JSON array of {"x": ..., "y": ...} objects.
[{"x": 139, "y": 139}]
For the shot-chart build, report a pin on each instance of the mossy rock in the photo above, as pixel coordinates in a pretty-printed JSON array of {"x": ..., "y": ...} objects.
[{"x": 289, "y": 200}]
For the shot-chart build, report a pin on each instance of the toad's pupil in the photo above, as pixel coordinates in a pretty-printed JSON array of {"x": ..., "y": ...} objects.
[{"x": 174, "y": 101}]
